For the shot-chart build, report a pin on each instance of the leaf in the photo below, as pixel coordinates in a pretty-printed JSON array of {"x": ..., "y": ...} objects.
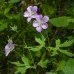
[
  {"x": 66, "y": 67},
  {"x": 53, "y": 50},
  {"x": 58, "y": 43},
  {"x": 36, "y": 48},
  {"x": 14, "y": 1},
  {"x": 17, "y": 63},
  {"x": 60, "y": 21},
  {"x": 67, "y": 43},
  {"x": 21, "y": 70},
  {"x": 3, "y": 25},
  {"x": 69, "y": 67},
  {"x": 61, "y": 65},
  {"x": 67, "y": 53},
  {"x": 43, "y": 63},
  {"x": 26, "y": 61},
  {"x": 40, "y": 40}
]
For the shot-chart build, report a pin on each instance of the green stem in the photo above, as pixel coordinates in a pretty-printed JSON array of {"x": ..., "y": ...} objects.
[
  {"x": 17, "y": 53},
  {"x": 31, "y": 56}
]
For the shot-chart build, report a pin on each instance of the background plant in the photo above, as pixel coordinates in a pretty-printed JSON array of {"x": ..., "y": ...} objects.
[{"x": 48, "y": 52}]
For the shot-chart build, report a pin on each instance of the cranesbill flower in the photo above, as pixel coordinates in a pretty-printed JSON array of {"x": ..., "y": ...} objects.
[
  {"x": 31, "y": 13},
  {"x": 9, "y": 47},
  {"x": 41, "y": 22}
]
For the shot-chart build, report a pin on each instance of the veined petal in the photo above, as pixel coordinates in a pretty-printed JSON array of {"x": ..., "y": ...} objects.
[
  {"x": 39, "y": 28},
  {"x": 29, "y": 19},
  {"x": 45, "y": 19},
  {"x": 35, "y": 24},
  {"x": 29, "y": 9},
  {"x": 26, "y": 14},
  {"x": 45, "y": 26},
  {"x": 34, "y": 8}
]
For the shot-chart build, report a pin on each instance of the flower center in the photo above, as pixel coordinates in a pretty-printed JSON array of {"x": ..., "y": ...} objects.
[
  {"x": 32, "y": 13},
  {"x": 40, "y": 22}
]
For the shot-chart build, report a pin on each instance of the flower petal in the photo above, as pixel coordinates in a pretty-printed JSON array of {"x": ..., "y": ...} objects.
[
  {"x": 39, "y": 28},
  {"x": 34, "y": 8},
  {"x": 45, "y": 19},
  {"x": 7, "y": 50},
  {"x": 45, "y": 26},
  {"x": 35, "y": 24},
  {"x": 34, "y": 16},
  {"x": 29, "y": 9},
  {"x": 29, "y": 19},
  {"x": 39, "y": 17},
  {"x": 26, "y": 14}
]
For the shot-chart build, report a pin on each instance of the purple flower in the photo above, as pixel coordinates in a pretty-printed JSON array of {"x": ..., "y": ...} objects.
[
  {"x": 41, "y": 22},
  {"x": 31, "y": 13},
  {"x": 9, "y": 47}
]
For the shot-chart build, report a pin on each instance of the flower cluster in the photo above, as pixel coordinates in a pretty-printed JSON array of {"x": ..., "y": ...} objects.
[{"x": 40, "y": 21}]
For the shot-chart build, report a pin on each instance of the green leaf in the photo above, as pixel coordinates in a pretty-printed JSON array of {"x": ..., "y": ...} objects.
[
  {"x": 69, "y": 67},
  {"x": 17, "y": 63},
  {"x": 61, "y": 65},
  {"x": 66, "y": 67},
  {"x": 53, "y": 50},
  {"x": 3, "y": 25},
  {"x": 7, "y": 10},
  {"x": 67, "y": 43},
  {"x": 58, "y": 43},
  {"x": 40, "y": 40},
  {"x": 14, "y": 1},
  {"x": 26, "y": 61},
  {"x": 67, "y": 53},
  {"x": 36, "y": 48},
  {"x": 60, "y": 21},
  {"x": 21, "y": 70},
  {"x": 43, "y": 63}
]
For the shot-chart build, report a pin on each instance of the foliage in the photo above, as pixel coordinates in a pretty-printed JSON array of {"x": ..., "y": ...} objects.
[{"x": 48, "y": 52}]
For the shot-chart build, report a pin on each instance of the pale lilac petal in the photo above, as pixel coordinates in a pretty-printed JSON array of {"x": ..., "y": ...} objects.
[
  {"x": 26, "y": 14},
  {"x": 45, "y": 19},
  {"x": 35, "y": 24},
  {"x": 34, "y": 8},
  {"x": 29, "y": 19},
  {"x": 45, "y": 26},
  {"x": 34, "y": 16},
  {"x": 39, "y": 28},
  {"x": 29, "y": 9},
  {"x": 7, "y": 50},
  {"x": 39, "y": 17}
]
